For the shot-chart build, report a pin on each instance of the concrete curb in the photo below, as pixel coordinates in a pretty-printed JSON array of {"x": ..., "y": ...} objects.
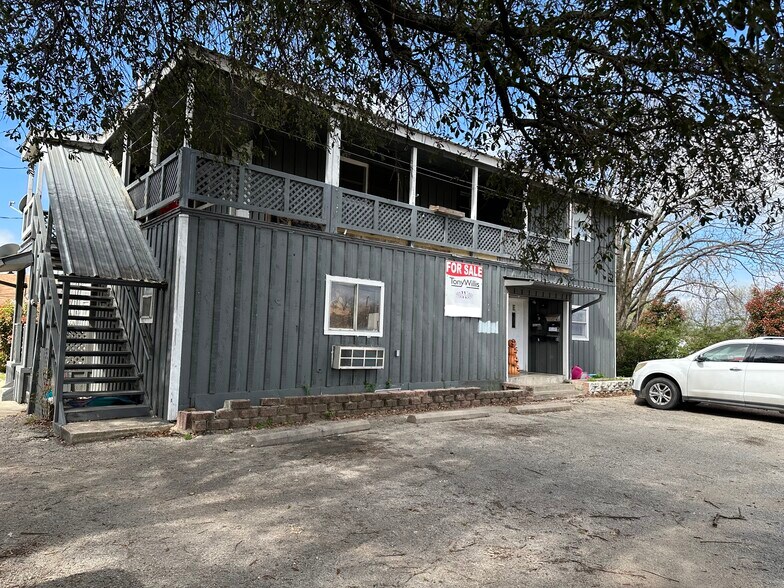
[
  {"x": 309, "y": 432},
  {"x": 539, "y": 408},
  {"x": 449, "y": 415}
]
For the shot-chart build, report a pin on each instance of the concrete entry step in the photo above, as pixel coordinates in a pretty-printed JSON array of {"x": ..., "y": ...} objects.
[
  {"x": 88, "y": 431},
  {"x": 540, "y": 408},
  {"x": 553, "y": 392},
  {"x": 447, "y": 415},
  {"x": 534, "y": 379}
]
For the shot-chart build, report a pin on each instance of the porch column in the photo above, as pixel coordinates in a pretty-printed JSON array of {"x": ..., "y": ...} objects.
[
  {"x": 332, "y": 172},
  {"x": 125, "y": 165},
  {"x": 474, "y": 191},
  {"x": 412, "y": 193},
  {"x": 189, "y": 107},
  {"x": 156, "y": 128}
]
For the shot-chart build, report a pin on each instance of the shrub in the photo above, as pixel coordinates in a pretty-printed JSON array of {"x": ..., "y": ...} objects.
[
  {"x": 6, "y": 331},
  {"x": 646, "y": 343}
]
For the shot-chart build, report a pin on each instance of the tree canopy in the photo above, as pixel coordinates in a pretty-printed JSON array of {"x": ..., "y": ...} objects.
[{"x": 608, "y": 95}]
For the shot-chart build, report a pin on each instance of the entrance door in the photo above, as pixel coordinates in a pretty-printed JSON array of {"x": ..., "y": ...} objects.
[{"x": 517, "y": 327}]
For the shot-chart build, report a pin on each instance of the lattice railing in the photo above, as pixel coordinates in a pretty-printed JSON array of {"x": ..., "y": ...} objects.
[
  {"x": 159, "y": 185},
  {"x": 199, "y": 179},
  {"x": 257, "y": 189},
  {"x": 364, "y": 212}
]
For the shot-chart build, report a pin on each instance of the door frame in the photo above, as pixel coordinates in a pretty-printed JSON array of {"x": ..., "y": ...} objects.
[{"x": 522, "y": 359}]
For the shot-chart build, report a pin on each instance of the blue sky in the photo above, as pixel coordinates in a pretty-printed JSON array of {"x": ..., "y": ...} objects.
[{"x": 13, "y": 185}]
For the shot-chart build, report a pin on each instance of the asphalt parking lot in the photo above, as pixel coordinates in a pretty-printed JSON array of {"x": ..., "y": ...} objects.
[{"x": 608, "y": 494}]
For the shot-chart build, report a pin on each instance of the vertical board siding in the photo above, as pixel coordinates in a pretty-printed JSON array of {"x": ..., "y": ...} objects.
[
  {"x": 257, "y": 314},
  {"x": 597, "y": 355},
  {"x": 161, "y": 235}
]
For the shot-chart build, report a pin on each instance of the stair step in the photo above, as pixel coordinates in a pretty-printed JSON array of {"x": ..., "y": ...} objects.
[
  {"x": 91, "y": 329},
  {"x": 100, "y": 379},
  {"x": 84, "y": 287},
  {"x": 98, "y": 366},
  {"x": 97, "y": 413},
  {"x": 76, "y": 317},
  {"x": 103, "y": 394},
  {"x": 118, "y": 341},
  {"x": 89, "y": 297},
  {"x": 96, "y": 353},
  {"x": 91, "y": 307}
]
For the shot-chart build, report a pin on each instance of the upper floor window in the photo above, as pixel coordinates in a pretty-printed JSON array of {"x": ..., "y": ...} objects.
[
  {"x": 354, "y": 307},
  {"x": 354, "y": 174},
  {"x": 581, "y": 221}
]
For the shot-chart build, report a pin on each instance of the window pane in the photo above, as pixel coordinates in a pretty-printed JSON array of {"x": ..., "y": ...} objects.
[
  {"x": 369, "y": 308},
  {"x": 352, "y": 176},
  {"x": 769, "y": 354},
  {"x": 578, "y": 330},
  {"x": 341, "y": 306},
  {"x": 733, "y": 352}
]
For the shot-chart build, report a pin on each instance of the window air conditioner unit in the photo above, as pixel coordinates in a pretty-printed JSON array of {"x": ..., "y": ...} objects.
[{"x": 357, "y": 358}]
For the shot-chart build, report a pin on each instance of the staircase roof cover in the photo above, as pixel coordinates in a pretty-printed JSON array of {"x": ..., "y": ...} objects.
[{"x": 97, "y": 235}]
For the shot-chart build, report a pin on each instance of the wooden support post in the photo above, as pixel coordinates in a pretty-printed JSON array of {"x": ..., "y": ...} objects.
[
  {"x": 412, "y": 182},
  {"x": 156, "y": 127},
  {"x": 474, "y": 191},
  {"x": 332, "y": 176},
  {"x": 125, "y": 165},
  {"x": 59, "y": 367},
  {"x": 190, "y": 101},
  {"x": 334, "y": 138}
]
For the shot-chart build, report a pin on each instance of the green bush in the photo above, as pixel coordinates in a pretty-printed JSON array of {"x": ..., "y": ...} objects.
[
  {"x": 6, "y": 332},
  {"x": 660, "y": 342},
  {"x": 646, "y": 343}
]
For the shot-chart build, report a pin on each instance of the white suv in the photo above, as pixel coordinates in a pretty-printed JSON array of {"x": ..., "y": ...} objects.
[{"x": 746, "y": 372}]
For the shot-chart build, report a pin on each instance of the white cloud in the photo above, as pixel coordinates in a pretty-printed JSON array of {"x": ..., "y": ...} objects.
[{"x": 7, "y": 236}]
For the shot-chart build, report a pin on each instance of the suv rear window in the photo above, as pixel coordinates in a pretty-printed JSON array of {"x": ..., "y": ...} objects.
[{"x": 768, "y": 353}]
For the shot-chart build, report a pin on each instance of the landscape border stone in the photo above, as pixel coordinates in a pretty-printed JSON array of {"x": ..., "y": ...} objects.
[{"x": 241, "y": 414}]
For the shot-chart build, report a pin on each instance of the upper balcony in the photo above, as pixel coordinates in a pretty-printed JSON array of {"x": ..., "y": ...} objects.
[{"x": 194, "y": 179}]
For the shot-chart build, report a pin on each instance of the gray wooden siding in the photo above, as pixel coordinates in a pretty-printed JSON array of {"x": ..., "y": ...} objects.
[
  {"x": 597, "y": 355},
  {"x": 255, "y": 319},
  {"x": 258, "y": 314},
  {"x": 161, "y": 235}
]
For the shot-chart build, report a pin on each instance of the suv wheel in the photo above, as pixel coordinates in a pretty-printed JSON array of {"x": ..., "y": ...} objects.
[{"x": 662, "y": 393}]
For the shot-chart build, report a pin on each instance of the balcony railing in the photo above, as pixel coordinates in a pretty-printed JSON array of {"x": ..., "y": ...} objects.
[{"x": 190, "y": 176}]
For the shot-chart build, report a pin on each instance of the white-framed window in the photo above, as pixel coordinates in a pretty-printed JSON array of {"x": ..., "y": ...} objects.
[
  {"x": 581, "y": 221},
  {"x": 354, "y": 174},
  {"x": 580, "y": 324},
  {"x": 146, "y": 305},
  {"x": 354, "y": 307}
]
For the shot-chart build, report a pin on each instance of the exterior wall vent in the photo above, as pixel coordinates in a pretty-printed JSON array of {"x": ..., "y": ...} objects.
[{"x": 357, "y": 358}]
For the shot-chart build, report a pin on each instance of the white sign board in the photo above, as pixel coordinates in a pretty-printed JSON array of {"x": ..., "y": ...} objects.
[{"x": 463, "y": 292}]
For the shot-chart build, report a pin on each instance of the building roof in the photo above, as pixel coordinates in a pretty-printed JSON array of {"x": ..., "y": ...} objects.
[{"x": 97, "y": 236}]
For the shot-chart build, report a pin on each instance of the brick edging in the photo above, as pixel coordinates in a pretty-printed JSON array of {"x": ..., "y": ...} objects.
[{"x": 241, "y": 414}]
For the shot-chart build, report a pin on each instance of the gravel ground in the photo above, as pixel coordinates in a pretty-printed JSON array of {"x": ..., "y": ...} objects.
[{"x": 607, "y": 494}]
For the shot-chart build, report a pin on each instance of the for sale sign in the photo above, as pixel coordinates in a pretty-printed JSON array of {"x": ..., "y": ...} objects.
[{"x": 463, "y": 292}]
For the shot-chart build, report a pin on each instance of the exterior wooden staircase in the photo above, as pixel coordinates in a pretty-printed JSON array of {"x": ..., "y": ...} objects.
[{"x": 100, "y": 379}]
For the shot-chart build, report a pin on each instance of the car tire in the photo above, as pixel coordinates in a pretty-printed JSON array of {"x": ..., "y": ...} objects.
[{"x": 662, "y": 393}]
